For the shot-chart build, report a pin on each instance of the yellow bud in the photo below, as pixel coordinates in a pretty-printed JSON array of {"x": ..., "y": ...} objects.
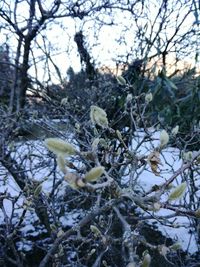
[
  {"x": 164, "y": 138},
  {"x": 156, "y": 206},
  {"x": 131, "y": 264},
  {"x": 38, "y": 190},
  {"x": 178, "y": 192},
  {"x": 64, "y": 101},
  {"x": 59, "y": 146},
  {"x": 80, "y": 183},
  {"x": 98, "y": 116},
  {"x": 92, "y": 252},
  {"x": 60, "y": 233},
  {"x": 119, "y": 135},
  {"x": 129, "y": 98},
  {"x": 163, "y": 250},
  {"x": 61, "y": 164},
  {"x": 77, "y": 126},
  {"x": 197, "y": 213},
  {"x": 94, "y": 174},
  {"x": 188, "y": 156},
  {"x": 95, "y": 143},
  {"x": 175, "y": 246},
  {"x": 121, "y": 80},
  {"x": 95, "y": 230},
  {"x": 148, "y": 97},
  {"x": 175, "y": 130},
  {"x": 146, "y": 260}
]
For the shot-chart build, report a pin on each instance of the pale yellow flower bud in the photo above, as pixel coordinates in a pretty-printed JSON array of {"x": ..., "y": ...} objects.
[
  {"x": 146, "y": 260},
  {"x": 178, "y": 192},
  {"x": 121, "y": 80},
  {"x": 61, "y": 164},
  {"x": 188, "y": 156},
  {"x": 98, "y": 116},
  {"x": 95, "y": 230},
  {"x": 95, "y": 143},
  {"x": 94, "y": 174},
  {"x": 175, "y": 130},
  {"x": 131, "y": 264},
  {"x": 58, "y": 146},
  {"x": 156, "y": 206},
  {"x": 64, "y": 101},
  {"x": 175, "y": 246},
  {"x": 119, "y": 135},
  {"x": 38, "y": 190},
  {"x": 148, "y": 97},
  {"x": 197, "y": 213},
  {"x": 164, "y": 138},
  {"x": 129, "y": 98}
]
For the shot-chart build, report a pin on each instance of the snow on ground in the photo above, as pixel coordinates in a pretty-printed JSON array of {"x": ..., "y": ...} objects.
[{"x": 30, "y": 154}]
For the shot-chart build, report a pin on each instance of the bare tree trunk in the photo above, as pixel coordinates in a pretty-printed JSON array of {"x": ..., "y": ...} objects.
[
  {"x": 84, "y": 55},
  {"x": 14, "y": 89},
  {"x": 24, "y": 75}
]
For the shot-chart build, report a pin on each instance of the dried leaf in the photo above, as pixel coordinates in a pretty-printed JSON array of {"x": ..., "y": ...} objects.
[
  {"x": 154, "y": 161},
  {"x": 74, "y": 181}
]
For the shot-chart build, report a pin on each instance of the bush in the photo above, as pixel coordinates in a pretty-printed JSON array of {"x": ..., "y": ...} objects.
[{"x": 88, "y": 201}]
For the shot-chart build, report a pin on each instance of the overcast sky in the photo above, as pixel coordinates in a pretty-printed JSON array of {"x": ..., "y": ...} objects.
[{"x": 106, "y": 44}]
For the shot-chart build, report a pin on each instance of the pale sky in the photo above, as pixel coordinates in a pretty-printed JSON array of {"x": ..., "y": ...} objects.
[{"x": 111, "y": 43}]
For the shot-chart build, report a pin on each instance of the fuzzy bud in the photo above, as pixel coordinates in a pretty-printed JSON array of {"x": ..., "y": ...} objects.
[
  {"x": 175, "y": 246},
  {"x": 197, "y": 213},
  {"x": 38, "y": 190},
  {"x": 164, "y": 138},
  {"x": 131, "y": 264},
  {"x": 59, "y": 146},
  {"x": 148, "y": 97},
  {"x": 178, "y": 192},
  {"x": 98, "y": 116},
  {"x": 146, "y": 260},
  {"x": 95, "y": 144},
  {"x": 95, "y": 230},
  {"x": 175, "y": 130},
  {"x": 121, "y": 80},
  {"x": 156, "y": 206},
  {"x": 64, "y": 101},
  {"x": 188, "y": 156},
  {"x": 119, "y": 135},
  {"x": 61, "y": 164},
  {"x": 129, "y": 98},
  {"x": 94, "y": 174}
]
